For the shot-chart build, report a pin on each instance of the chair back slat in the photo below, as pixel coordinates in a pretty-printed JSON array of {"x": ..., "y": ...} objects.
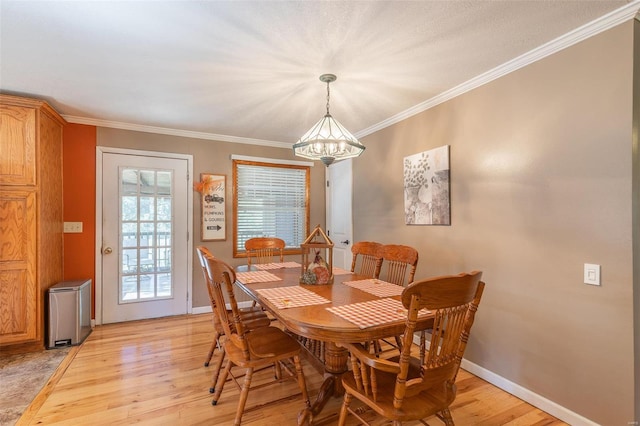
[
  {"x": 400, "y": 262},
  {"x": 370, "y": 255},
  {"x": 261, "y": 250}
]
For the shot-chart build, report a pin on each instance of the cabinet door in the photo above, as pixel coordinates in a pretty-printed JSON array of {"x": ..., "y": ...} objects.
[
  {"x": 17, "y": 145},
  {"x": 19, "y": 305}
]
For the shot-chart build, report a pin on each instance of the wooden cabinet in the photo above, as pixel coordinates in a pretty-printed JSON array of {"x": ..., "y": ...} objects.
[{"x": 31, "y": 225}]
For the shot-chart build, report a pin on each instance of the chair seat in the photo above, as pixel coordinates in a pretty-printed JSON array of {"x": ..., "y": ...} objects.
[
  {"x": 420, "y": 406},
  {"x": 266, "y": 345}
]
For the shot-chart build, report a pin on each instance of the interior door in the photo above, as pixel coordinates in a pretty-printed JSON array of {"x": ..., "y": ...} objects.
[
  {"x": 144, "y": 237},
  {"x": 339, "y": 217}
]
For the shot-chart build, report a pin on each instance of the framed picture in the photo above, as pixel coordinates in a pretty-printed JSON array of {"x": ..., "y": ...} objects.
[
  {"x": 426, "y": 188},
  {"x": 213, "y": 192}
]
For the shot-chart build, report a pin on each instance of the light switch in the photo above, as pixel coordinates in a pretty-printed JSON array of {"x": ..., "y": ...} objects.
[
  {"x": 591, "y": 274},
  {"x": 73, "y": 227}
]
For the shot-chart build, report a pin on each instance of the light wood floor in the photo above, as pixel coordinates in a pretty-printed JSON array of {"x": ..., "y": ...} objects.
[{"x": 152, "y": 372}]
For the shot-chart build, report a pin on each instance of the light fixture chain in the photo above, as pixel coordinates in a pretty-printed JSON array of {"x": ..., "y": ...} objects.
[{"x": 327, "y": 97}]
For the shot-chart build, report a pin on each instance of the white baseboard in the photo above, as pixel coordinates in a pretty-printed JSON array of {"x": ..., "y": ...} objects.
[
  {"x": 201, "y": 310},
  {"x": 523, "y": 393},
  {"x": 526, "y": 395},
  {"x": 207, "y": 309}
]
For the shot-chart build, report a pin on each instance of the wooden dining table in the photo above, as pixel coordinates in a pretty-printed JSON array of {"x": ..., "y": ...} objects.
[{"x": 316, "y": 322}]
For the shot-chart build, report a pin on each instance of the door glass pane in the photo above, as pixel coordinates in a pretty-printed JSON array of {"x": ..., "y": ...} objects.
[
  {"x": 145, "y": 235},
  {"x": 164, "y": 183},
  {"x": 130, "y": 261},
  {"x": 129, "y": 234},
  {"x": 164, "y": 208},
  {"x": 129, "y": 208}
]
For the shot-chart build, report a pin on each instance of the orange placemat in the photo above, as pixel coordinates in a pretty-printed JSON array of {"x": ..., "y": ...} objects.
[
  {"x": 373, "y": 312},
  {"x": 291, "y": 297},
  {"x": 376, "y": 287},
  {"x": 256, "y": 277}
]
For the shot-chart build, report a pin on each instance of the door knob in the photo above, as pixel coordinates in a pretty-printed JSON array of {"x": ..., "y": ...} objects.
[
  {"x": 345, "y": 242},
  {"x": 107, "y": 250}
]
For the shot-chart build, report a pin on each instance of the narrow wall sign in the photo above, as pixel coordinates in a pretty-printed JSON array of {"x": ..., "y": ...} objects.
[{"x": 213, "y": 207}]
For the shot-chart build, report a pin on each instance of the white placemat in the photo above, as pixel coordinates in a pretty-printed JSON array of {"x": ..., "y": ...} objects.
[
  {"x": 256, "y": 277},
  {"x": 373, "y": 312},
  {"x": 291, "y": 297},
  {"x": 376, "y": 287}
]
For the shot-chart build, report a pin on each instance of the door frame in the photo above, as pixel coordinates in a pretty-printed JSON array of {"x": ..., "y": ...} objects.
[{"x": 100, "y": 151}]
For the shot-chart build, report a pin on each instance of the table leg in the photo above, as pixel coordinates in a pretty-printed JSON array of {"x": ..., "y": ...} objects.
[{"x": 335, "y": 363}]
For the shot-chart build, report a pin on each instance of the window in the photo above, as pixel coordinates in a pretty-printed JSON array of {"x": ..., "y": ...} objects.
[{"x": 270, "y": 200}]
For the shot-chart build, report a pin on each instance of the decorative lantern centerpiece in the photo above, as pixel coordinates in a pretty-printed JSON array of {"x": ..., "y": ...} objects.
[{"x": 315, "y": 269}]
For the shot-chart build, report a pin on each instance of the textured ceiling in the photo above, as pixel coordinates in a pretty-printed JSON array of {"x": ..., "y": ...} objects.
[{"x": 250, "y": 69}]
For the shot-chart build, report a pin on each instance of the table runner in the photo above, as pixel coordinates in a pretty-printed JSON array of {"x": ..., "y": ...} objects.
[
  {"x": 256, "y": 277},
  {"x": 376, "y": 287},
  {"x": 291, "y": 297},
  {"x": 266, "y": 266},
  {"x": 373, "y": 312}
]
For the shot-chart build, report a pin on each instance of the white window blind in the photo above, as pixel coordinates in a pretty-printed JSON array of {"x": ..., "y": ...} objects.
[{"x": 271, "y": 202}]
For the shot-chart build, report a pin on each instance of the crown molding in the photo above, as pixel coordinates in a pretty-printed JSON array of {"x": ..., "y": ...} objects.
[
  {"x": 629, "y": 11},
  {"x": 173, "y": 132},
  {"x": 579, "y": 34}
]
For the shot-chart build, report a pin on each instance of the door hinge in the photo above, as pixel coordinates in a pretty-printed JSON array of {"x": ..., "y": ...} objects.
[{"x": 327, "y": 184}]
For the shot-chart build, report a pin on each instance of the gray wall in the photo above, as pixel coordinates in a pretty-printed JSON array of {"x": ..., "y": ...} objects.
[
  {"x": 636, "y": 209},
  {"x": 214, "y": 157},
  {"x": 541, "y": 174}
]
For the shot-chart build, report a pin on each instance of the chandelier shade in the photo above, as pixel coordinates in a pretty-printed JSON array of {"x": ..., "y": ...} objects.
[{"x": 328, "y": 140}]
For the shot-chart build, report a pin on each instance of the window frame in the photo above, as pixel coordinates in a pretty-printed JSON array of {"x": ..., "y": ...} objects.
[{"x": 240, "y": 253}]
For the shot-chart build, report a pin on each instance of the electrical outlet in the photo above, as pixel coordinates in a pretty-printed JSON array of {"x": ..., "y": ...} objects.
[
  {"x": 591, "y": 274},
  {"x": 73, "y": 227}
]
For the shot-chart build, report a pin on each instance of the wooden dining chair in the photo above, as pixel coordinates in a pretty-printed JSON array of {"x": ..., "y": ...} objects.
[
  {"x": 399, "y": 263},
  {"x": 414, "y": 389},
  {"x": 262, "y": 250},
  {"x": 254, "y": 317},
  {"x": 368, "y": 255},
  {"x": 250, "y": 350}
]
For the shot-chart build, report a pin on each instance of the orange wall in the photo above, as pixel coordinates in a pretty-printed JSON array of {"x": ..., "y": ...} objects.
[{"x": 79, "y": 188}]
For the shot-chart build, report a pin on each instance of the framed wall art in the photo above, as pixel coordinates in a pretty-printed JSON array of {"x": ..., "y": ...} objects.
[
  {"x": 426, "y": 188},
  {"x": 212, "y": 189}
]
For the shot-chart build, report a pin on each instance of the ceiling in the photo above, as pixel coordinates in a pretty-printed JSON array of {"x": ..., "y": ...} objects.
[{"x": 248, "y": 70}]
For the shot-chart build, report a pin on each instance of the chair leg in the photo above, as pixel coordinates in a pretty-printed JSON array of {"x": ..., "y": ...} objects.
[
  {"x": 243, "y": 396},
  {"x": 398, "y": 342},
  {"x": 301, "y": 381},
  {"x": 343, "y": 410},
  {"x": 221, "y": 381},
  {"x": 212, "y": 349},
  {"x": 445, "y": 416},
  {"x": 216, "y": 371}
]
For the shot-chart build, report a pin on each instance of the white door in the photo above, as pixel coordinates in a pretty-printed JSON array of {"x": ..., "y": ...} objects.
[
  {"x": 339, "y": 220},
  {"x": 144, "y": 237}
]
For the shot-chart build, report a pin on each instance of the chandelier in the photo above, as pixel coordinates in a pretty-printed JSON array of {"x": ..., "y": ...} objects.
[{"x": 328, "y": 140}]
